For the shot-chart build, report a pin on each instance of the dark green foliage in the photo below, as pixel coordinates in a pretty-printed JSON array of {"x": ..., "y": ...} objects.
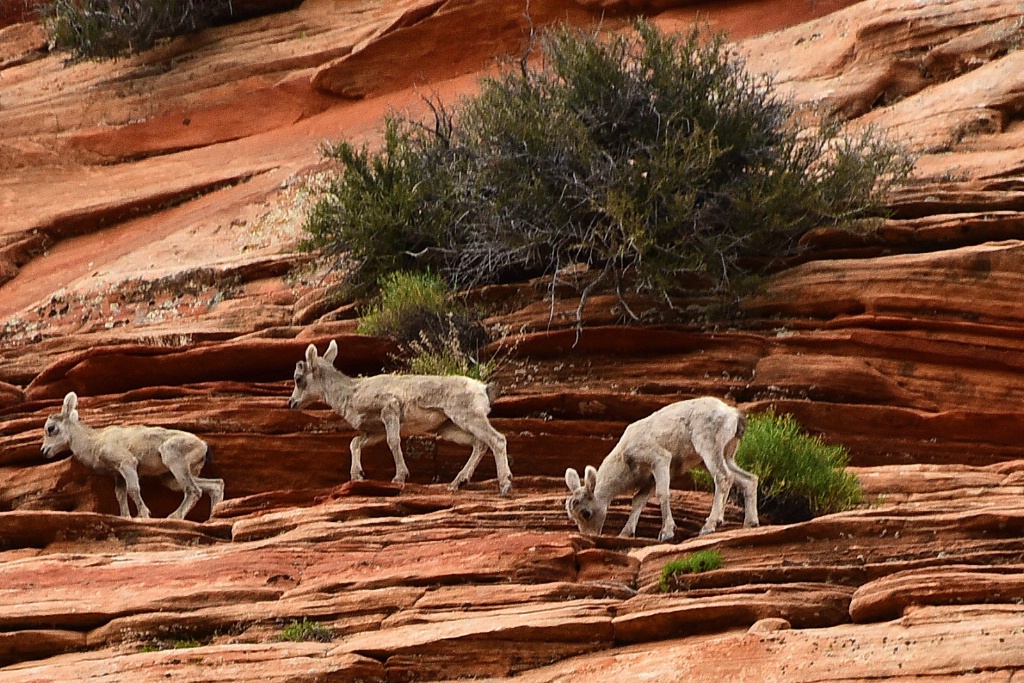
[
  {"x": 387, "y": 211},
  {"x": 695, "y": 563},
  {"x": 113, "y": 28},
  {"x": 656, "y": 160},
  {"x": 800, "y": 475}
]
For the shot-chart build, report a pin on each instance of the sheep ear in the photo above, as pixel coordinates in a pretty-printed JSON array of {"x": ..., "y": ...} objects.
[
  {"x": 311, "y": 355},
  {"x": 70, "y": 403},
  {"x": 590, "y": 478},
  {"x": 572, "y": 479},
  {"x": 300, "y": 367},
  {"x": 73, "y": 416},
  {"x": 332, "y": 352}
]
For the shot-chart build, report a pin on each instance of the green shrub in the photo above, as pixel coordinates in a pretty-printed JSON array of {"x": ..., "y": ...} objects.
[
  {"x": 112, "y": 28},
  {"x": 406, "y": 305},
  {"x": 800, "y": 476},
  {"x": 439, "y": 335},
  {"x": 695, "y": 563},
  {"x": 115, "y": 28},
  {"x": 655, "y": 160},
  {"x": 305, "y": 631}
]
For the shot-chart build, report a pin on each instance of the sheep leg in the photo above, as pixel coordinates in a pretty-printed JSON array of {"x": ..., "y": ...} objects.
[
  {"x": 183, "y": 476},
  {"x": 131, "y": 479},
  {"x": 494, "y": 440},
  {"x": 391, "y": 417},
  {"x": 455, "y": 434},
  {"x": 358, "y": 442},
  {"x": 662, "y": 479},
  {"x": 723, "y": 485},
  {"x": 214, "y": 488},
  {"x": 748, "y": 485},
  {"x": 639, "y": 501},
  {"x": 121, "y": 491}
]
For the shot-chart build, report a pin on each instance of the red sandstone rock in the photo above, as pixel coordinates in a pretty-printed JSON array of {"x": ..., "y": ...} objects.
[
  {"x": 10, "y": 395},
  {"x": 903, "y": 345},
  {"x": 949, "y": 642},
  {"x": 415, "y": 49},
  {"x": 897, "y": 594},
  {"x": 115, "y": 370}
]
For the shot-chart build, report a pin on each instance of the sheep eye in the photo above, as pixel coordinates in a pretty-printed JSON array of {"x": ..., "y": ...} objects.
[
  {"x": 300, "y": 381},
  {"x": 586, "y": 514},
  {"x": 50, "y": 429}
]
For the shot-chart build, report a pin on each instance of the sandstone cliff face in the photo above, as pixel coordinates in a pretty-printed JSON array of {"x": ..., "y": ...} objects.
[{"x": 151, "y": 208}]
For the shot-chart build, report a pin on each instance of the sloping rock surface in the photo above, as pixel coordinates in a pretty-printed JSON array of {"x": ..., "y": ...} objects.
[{"x": 151, "y": 208}]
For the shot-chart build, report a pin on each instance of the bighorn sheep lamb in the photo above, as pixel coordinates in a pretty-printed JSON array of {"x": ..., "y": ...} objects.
[
  {"x": 126, "y": 452},
  {"x": 650, "y": 451},
  {"x": 388, "y": 407}
]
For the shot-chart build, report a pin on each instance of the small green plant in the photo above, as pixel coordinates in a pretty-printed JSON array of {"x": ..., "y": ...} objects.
[
  {"x": 438, "y": 333},
  {"x": 408, "y": 303},
  {"x": 184, "y": 643},
  {"x": 800, "y": 476},
  {"x": 305, "y": 631},
  {"x": 445, "y": 356},
  {"x": 695, "y": 563}
]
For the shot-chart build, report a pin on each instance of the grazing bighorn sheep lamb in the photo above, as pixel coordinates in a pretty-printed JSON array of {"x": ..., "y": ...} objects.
[
  {"x": 126, "y": 452},
  {"x": 388, "y": 407},
  {"x": 650, "y": 450}
]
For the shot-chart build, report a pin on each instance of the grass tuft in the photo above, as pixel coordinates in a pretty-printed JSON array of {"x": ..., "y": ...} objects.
[
  {"x": 305, "y": 631},
  {"x": 696, "y": 563}
]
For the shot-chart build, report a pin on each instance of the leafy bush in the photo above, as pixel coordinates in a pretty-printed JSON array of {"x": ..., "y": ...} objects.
[
  {"x": 439, "y": 334},
  {"x": 112, "y": 28},
  {"x": 695, "y": 563},
  {"x": 305, "y": 631},
  {"x": 800, "y": 476},
  {"x": 655, "y": 160},
  {"x": 406, "y": 303}
]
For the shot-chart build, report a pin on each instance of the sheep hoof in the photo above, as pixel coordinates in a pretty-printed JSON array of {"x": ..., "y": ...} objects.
[
  {"x": 399, "y": 479},
  {"x": 750, "y": 525},
  {"x": 707, "y": 530},
  {"x": 667, "y": 535},
  {"x": 505, "y": 488},
  {"x": 357, "y": 476},
  {"x": 456, "y": 485}
]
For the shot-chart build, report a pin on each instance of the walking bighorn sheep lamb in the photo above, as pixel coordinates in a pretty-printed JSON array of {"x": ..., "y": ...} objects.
[
  {"x": 126, "y": 452},
  {"x": 388, "y": 407},
  {"x": 650, "y": 451}
]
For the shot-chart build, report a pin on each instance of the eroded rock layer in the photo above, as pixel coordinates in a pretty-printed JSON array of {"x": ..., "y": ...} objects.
[{"x": 148, "y": 261}]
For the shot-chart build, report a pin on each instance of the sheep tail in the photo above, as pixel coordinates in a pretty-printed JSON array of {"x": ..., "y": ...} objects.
[{"x": 493, "y": 391}]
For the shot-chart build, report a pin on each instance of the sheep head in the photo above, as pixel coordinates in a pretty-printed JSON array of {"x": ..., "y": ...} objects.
[
  {"x": 582, "y": 506},
  {"x": 57, "y": 430},
  {"x": 309, "y": 376}
]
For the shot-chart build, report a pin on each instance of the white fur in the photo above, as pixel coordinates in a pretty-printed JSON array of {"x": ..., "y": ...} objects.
[
  {"x": 388, "y": 407},
  {"x": 126, "y": 452},
  {"x": 669, "y": 440}
]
